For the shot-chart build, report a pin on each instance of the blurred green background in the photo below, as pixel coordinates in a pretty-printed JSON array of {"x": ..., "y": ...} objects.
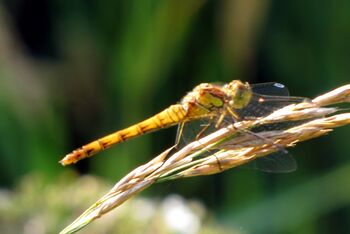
[{"x": 72, "y": 71}]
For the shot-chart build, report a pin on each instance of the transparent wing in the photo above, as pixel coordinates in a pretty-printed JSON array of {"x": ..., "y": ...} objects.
[
  {"x": 266, "y": 98},
  {"x": 278, "y": 162},
  {"x": 270, "y": 88}
]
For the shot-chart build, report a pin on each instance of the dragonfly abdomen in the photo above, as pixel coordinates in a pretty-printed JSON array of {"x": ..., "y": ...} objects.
[{"x": 168, "y": 117}]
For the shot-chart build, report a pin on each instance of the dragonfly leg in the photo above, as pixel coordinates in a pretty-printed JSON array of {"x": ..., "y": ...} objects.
[
  {"x": 233, "y": 114},
  {"x": 179, "y": 132},
  {"x": 221, "y": 118}
]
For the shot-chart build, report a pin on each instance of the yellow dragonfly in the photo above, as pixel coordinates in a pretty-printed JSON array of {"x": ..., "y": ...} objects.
[{"x": 216, "y": 104}]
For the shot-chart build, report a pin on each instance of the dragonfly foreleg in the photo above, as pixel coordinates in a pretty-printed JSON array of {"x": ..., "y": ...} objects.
[
  {"x": 234, "y": 115},
  {"x": 221, "y": 118}
]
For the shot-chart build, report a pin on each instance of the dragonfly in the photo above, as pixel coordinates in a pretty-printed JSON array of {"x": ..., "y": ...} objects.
[{"x": 215, "y": 105}]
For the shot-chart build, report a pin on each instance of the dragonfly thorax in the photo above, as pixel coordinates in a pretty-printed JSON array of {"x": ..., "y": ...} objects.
[
  {"x": 205, "y": 99},
  {"x": 210, "y": 99}
]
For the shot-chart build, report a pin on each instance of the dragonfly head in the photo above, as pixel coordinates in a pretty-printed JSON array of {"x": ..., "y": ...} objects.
[{"x": 238, "y": 93}]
